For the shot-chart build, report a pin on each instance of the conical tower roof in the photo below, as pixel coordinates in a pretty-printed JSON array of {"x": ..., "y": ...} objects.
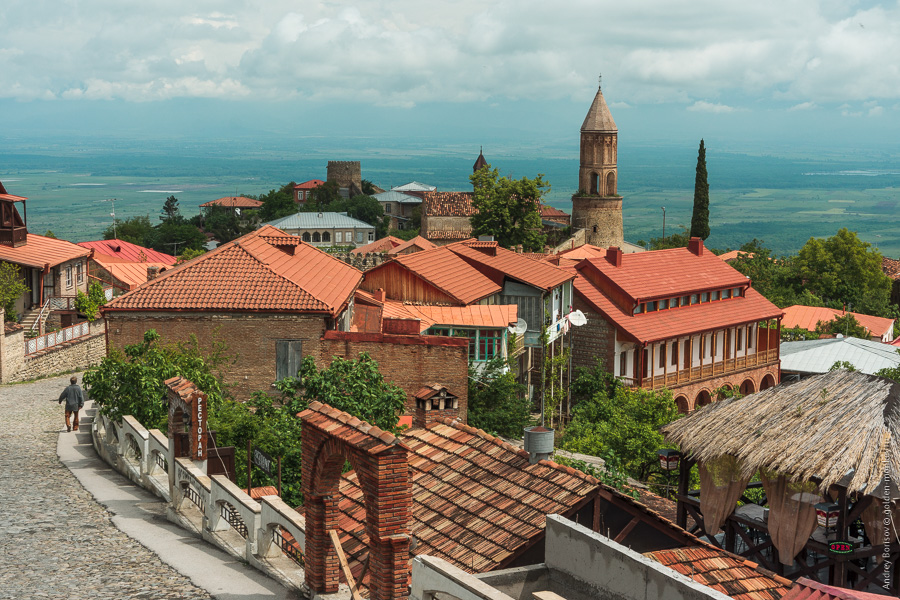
[
  {"x": 599, "y": 117},
  {"x": 480, "y": 161}
]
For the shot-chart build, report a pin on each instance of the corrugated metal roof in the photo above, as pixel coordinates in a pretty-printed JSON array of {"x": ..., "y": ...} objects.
[
  {"x": 808, "y": 316},
  {"x": 128, "y": 251},
  {"x": 39, "y": 251},
  {"x": 817, "y": 356},
  {"x": 449, "y": 273},
  {"x": 414, "y": 186},
  {"x": 395, "y": 196},
  {"x": 325, "y": 220}
]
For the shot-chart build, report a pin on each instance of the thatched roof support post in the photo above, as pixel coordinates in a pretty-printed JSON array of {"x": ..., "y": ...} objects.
[
  {"x": 684, "y": 480},
  {"x": 839, "y": 571}
]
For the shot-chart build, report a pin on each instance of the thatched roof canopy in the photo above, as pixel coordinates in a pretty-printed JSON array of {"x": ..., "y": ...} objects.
[{"x": 821, "y": 428}]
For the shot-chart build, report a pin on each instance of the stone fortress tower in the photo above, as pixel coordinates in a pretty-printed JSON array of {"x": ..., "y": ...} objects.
[
  {"x": 597, "y": 206},
  {"x": 347, "y": 174}
]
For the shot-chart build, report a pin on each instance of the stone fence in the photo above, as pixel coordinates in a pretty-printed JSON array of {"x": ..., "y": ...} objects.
[
  {"x": 267, "y": 534},
  {"x": 65, "y": 354}
]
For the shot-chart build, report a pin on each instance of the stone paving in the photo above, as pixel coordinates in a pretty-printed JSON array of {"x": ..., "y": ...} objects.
[{"x": 55, "y": 540}]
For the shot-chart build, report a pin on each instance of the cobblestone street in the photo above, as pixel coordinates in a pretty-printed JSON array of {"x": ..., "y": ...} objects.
[{"x": 55, "y": 540}]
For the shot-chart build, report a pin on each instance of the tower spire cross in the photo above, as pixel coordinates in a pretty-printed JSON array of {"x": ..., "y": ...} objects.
[{"x": 599, "y": 81}]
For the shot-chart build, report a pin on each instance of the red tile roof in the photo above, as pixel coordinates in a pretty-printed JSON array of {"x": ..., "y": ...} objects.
[
  {"x": 541, "y": 275},
  {"x": 483, "y": 316},
  {"x": 234, "y": 202},
  {"x": 447, "y": 204},
  {"x": 551, "y": 211},
  {"x": 266, "y": 270},
  {"x": 39, "y": 251},
  {"x": 807, "y": 589},
  {"x": 309, "y": 185},
  {"x": 413, "y": 245},
  {"x": 383, "y": 245},
  {"x": 448, "y": 272},
  {"x": 807, "y": 317},
  {"x": 128, "y": 251},
  {"x": 476, "y": 499},
  {"x": 132, "y": 274},
  {"x": 343, "y": 425},
  {"x": 724, "y": 572},
  {"x": 730, "y": 256},
  {"x": 665, "y": 273},
  {"x": 676, "y": 322}
]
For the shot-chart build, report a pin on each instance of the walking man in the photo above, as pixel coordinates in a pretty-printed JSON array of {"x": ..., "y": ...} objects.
[{"x": 74, "y": 398}]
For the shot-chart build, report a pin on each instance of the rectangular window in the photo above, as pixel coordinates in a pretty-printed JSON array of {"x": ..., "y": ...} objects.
[
  {"x": 288, "y": 355},
  {"x": 338, "y": 237},
  {"x": 489, "y": 344},
  {"x": 663, "y": 304},
  {"x": 359, "y": 237},
  {"x": 695, "y": 298},
  {"x": 79, "y": 272},
  {"x": 716, "y": 295},
  {"x": 736, "y": 292},
  {"x": 387, "y": 208},
  {"x": 739, "y": 339},
  {"x": 646, "y": 368},
  {"x": 68, "y": 276},
  {"x": 750, "y": 336},
  {"x": 651, "y": 306},
  {"x": 674, "y": 354},
  {"x": 685, "y": 300},
  {"x": 638, "y": 309},
  {"x": 623, "y": 363},
  {"x": 662, "y": 356},
  {"x": 726, "y": 294},
  {"x": 371, "y": 236},
  {"x": 704, "y": 297}
]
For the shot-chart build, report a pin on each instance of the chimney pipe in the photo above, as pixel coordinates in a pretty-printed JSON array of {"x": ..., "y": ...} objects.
[
  {"x": 380, "y": 294},
  {"x": 152, "y": 272},
  {"x": 696, "y": 246},
  {"x": 614, "y": 256},
  {"x": 538, "y": 443}
]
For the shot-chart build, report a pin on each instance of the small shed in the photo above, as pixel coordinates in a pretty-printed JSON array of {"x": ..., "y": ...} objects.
[{"x": 827, "y": 451}]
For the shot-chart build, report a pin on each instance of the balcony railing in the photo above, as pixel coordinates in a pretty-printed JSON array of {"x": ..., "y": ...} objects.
[{"x": 698, "y": 373}]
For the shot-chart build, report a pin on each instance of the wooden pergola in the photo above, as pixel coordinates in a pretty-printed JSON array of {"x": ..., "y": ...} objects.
[{"x": 835, "y": 438}]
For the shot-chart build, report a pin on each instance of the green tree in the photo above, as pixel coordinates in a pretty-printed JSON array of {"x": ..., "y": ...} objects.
[
  {"x": 50, "y": 234},
  {"x": 225, "y": 225},
  {"x": 624, "y": 423},
  {"x": 700, "y": 217},
  {"x": 12, "y": 287},
  {"x": 676, "y": 240},
  {"x": 497, "y": 402},
  {"x": 170, "y": 210},
  {"x": 846, "y": 325},
  {"x": 508, "y": 209},
  {"x": 189, "y": 254},
  {"x": 171, "y": 237},
  {"x": 134, "y": 229},
  {"x": 845, "y": 270},
  {"x": 353, "y": 386},
  {"x": 404, "y": 234},
  {"x": 278, "y": 203},
  {"x": 323, "y": 195},
  {"x": 368, "y": 188},
  {"x": 89, "y": 304}
]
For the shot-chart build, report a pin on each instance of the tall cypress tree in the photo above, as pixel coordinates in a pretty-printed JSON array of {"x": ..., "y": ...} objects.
[{"x": 700, "y": 218}]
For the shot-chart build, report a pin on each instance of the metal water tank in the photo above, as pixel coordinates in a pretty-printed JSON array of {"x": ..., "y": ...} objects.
[{"x": 538, "y": 443}]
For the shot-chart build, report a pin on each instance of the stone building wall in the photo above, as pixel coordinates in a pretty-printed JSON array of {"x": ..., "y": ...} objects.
[
  {"x": 601, "y": 218},
  {"x": 346, "y": 173},
  {"x": 76, "y": 355},
  {"x": 363, "y": 262}
]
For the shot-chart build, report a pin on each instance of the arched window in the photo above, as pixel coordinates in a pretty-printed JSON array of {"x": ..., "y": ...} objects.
[
  {"x": 595, "y": 229},
  {"x": 306, "y": 237},
  {"x": 595, "y": 180},
  {"x": 326, "y": 237},
  {"x": 611, "y": 184},
  {"x": 316, "y": 237}
]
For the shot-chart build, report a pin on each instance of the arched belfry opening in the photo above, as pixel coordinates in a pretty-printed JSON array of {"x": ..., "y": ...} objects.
[
  {"x": 380, "y": 461},
  {"x": 611, "y": 184},
  {"x": 595, "y": 187}
]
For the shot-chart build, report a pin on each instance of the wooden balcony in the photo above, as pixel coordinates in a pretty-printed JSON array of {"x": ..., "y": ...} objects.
[
  {"x": 699, "y": 373},
  {"x": 15, "y": 237}
]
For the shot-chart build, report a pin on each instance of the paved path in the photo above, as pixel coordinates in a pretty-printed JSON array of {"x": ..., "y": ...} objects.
[{"x": 71, "y": 527}]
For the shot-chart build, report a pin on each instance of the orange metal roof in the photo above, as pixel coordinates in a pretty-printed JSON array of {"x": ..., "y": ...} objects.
[
  {"x": 673, "y": 272},
  {"x": 583, "y": 251},
  {"x": 234, "y": 202},
  {"x": 128, "y": 251},
  {"x": 724, "y": 572},
  {"x": 266, "y": 270},
  {"x": 675, "y": 322},
  {"x": 132, "y": 274},
  {"x": 417, "y": 242},
  {"x": 39, "y": 251},
  {"x": 309, "y": 185},
  {"x": 539, "y": 274},
  {"x": 807, "y": 589},
  {"x": 807, "y": 317},
  {"x": 382, "y": 245},
  {"x": 483, "y": 316},
  {"x": 729, "y": 256},
  {"x": 448, "y": 272}
]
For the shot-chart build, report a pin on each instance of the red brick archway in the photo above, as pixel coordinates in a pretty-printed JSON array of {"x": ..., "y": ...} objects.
[
  {"x": 703, "y": 398},
  {"x": 767, "y": 382},
  {"x": 682, "y": 403},
  {"x": 747, "y": 387},
  {"x": 380, "y": 460}
]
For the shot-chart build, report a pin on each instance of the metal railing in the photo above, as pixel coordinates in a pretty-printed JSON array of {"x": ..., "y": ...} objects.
[
  {"x": 40, "y": 317},
  {"x": 698, "y": 373},
  {"x": 234, "y": 519},
  {"x": 192, "y": 495},
  {"x": 62, "y": 302},
  {"x": 289, "y": 547},
  {"x": 161, "y": 462},
  {"x": 54, "y": 338}
]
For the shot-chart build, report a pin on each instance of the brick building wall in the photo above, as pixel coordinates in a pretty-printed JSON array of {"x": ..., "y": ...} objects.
[
  {"x": 596, "y": 339},
  {"x": 408, "y": 361},
  {"x": 251, "y": 339}
]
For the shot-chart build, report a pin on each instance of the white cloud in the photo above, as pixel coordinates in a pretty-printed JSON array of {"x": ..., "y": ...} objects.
[
  {"x": 807, "y": 53},
  {"x": 701, "y": 106}
]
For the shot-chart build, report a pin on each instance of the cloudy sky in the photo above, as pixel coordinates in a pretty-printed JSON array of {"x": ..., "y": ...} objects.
[{"x": 791, "y": 66}]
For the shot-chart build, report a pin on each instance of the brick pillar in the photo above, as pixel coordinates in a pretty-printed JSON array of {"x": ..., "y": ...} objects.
[
  {"x": 387, "y": 525},
  {"x": 320, "y": 558}
]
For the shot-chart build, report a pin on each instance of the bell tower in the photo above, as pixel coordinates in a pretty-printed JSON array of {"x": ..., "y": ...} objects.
[{"x": 597, "y": 206}]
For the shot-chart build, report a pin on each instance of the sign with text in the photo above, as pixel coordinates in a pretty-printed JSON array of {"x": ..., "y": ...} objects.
[
  {"x": 199, "y": 430},
  {"x": 262, "y": 460},
  {"x": 840, "y": 547}
]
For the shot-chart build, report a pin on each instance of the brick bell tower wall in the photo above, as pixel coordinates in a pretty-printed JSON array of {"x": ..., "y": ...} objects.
[{"x": 601, "y": 219}]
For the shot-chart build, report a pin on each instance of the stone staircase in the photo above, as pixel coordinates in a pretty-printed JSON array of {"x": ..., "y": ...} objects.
[{"x": 30, "y": 317}]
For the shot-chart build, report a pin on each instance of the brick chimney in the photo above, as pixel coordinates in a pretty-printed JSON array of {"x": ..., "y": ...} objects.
[
  {"x": 152, "y": 272},
  {"x": 380, "y": 294},
  {"x": 696, "y": 246},
  {"x": 614, "y": 256},
  {"x": 434, "y": 401}
]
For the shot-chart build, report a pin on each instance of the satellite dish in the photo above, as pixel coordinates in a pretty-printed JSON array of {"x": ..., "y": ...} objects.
[
  {"x": 519, "y": 328},
  {"x": 577, "y": 318}
]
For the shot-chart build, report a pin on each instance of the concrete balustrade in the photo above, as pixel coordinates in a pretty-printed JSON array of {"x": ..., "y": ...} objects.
[{"x": 195, "y": 501}]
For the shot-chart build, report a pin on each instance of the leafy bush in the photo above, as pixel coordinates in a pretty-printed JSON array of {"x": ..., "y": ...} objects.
[
  {"x": 89, "y": 304},
  {"x": 497, "y": 402}
]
